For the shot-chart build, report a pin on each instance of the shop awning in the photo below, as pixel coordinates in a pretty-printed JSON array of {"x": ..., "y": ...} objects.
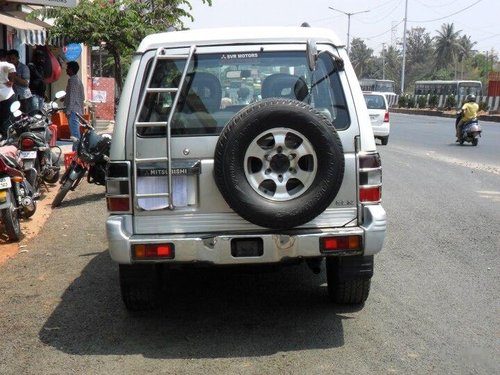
[{"x": 29, "y": 32}]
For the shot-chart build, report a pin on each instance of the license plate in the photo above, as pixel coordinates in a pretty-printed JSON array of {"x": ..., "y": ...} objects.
[
  {"x": 5, "y": 183},
  {"x": 27, "y": 154},
  {"x": 373, "y": 117}
]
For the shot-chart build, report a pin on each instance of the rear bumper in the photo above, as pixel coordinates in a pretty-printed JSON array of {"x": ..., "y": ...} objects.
[
  {"x": 216, "y": 248},
  {"x": 382, "y": 130}
]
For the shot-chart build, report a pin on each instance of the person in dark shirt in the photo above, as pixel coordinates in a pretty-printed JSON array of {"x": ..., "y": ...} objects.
[{"x": 37, "y": 79}]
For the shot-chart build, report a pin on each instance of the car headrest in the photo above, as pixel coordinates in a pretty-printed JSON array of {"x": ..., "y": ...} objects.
[
  {"x": 204, "y": 93},
  {"x": 285, "y": 86}
]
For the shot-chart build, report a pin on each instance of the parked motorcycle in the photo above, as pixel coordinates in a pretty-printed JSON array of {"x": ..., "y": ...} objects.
[
  {"x": 471, "y": 130},
  {"x": 16, "y": 194},
  {"x": 91, "y": 158},
  {"x": 38, "y": 154}
]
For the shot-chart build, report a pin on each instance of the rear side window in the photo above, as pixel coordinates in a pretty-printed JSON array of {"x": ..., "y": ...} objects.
[{"x": 218, "y": 85}]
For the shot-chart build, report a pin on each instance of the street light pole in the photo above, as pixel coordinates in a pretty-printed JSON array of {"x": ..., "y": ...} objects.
[
  {"x": 383, "y": 60},
  {"x": 404, "y": 52},
  {"x": 348, "y": 22}
]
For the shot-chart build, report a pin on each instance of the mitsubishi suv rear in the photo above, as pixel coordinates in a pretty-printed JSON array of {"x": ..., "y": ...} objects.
[{"x": 243, "y": 146}]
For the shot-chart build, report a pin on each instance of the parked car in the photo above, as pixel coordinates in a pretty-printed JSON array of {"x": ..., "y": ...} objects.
[
  {"x": 378, "y": 109},
  {"x": 197, "y": 178}
]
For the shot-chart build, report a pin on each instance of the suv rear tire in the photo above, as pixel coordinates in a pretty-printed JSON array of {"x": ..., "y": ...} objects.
[
  {"x": 140, "y": 286},
  {"x": 349, "y": 279},
  {"x": 279, "y": 163}
]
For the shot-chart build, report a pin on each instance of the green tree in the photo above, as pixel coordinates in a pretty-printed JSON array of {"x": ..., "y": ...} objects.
[
  {"x": 447, "y": 44},
  {"x": 393, "y": 59},
  {"x": 360, "y": 56},
  {"x": 117, "y": 26}
]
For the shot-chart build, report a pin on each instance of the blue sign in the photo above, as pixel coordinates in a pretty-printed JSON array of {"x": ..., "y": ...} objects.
[{"x": 72, "y": 51}]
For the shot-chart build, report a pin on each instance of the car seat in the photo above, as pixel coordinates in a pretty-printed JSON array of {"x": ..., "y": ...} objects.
[
  {"x": 202, "y": 93},
  {"x": 284, "y": 85}
]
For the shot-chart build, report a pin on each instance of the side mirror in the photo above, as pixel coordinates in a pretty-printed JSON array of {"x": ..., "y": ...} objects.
[
  {"x": 311, "y": 54},
  {"x": 14, "y": 107}
]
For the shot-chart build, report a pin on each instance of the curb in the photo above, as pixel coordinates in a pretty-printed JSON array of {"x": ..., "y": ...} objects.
[{"x": 492, "y": 118}]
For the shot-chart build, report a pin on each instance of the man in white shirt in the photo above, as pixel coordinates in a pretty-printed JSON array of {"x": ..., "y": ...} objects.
[{"x": 7, "y": 97}]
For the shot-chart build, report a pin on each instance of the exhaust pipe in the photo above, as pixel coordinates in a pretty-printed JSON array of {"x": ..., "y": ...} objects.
[
  {"x": 28, "y": 205},
  {"x": 314, "y": 264}
]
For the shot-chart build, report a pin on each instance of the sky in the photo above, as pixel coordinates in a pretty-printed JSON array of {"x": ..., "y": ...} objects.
[{"x": 383, "y": 24}]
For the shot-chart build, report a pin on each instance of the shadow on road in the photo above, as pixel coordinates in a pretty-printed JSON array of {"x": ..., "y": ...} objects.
[
  {"x": 206, "y": 313},
  {"x": 81, "y": 200}
]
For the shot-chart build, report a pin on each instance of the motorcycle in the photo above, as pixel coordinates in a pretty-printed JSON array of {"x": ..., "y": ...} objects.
[
  {"x": 91, "y": 158},
  {"x": 37, "y": 151},
  {"x": 471, "y": 130},
  {"x": 16, "y": 194}
]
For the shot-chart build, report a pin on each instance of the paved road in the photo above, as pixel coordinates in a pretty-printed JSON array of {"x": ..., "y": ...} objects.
[{"x": 433, "y": 308}]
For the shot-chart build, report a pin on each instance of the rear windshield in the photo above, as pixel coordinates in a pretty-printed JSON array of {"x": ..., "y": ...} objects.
[
  {"x": 218, "y": 85},
  {"x": 375, "y": 101}
]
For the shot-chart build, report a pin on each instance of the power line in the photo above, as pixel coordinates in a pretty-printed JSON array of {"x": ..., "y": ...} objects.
[
  {"x": 385, "y": 32},
  {"x": 449, "y": 15}
]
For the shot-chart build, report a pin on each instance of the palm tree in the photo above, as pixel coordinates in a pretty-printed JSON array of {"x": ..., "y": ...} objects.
[
  {"x": 447, "y": 45},
  {"x": 465, "y": 52}
]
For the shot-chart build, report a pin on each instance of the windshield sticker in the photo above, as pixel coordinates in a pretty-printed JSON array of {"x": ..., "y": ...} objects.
[{"x": 240, "y": 57}]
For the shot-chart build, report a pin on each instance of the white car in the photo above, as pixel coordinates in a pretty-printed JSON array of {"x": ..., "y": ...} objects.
[{"x": 378, "y": 109}]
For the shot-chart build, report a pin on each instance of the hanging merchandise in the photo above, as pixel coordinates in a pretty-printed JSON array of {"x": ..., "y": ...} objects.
[{"x": 52, "y": 66}]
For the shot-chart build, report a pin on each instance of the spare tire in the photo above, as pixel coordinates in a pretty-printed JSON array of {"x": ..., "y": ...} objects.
[{"x": 279, "y": 163}]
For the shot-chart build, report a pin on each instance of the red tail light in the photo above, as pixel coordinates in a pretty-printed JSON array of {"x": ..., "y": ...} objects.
[
  {"x": 386, "y": 116},
  {"x": 342, "y": 243},
  {"x": 118, "y": 187},
  {"x": 370, "y": 178},
  {"x": 27, "y": 144},
  {"x": 149, "y": 251}
]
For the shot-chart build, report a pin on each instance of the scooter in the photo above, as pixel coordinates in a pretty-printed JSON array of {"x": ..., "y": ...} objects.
[{"x": 471, "y": 130}]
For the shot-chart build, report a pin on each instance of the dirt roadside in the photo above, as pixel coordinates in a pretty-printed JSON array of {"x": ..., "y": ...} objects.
[{"x": 29, "y": 227}]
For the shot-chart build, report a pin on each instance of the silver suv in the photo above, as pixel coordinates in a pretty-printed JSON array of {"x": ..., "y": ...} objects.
[{"x": 245, "y": 146}]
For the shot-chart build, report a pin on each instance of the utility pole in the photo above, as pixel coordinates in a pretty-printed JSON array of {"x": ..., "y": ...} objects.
[
  {"x": 404, "y": 51},
  {"x": 348, "y": 22},
  {"x": 383, "y": 60}
]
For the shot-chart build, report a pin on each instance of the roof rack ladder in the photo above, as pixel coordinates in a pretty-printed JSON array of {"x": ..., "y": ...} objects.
[{"x": 160, "y": 55}]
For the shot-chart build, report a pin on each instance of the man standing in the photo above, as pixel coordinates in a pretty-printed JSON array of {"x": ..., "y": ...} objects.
[
  {"x": 73, "y": 101},
  {"x": 21, "y": 81},
  {"x": 37, "y": 79},
  {"x": 7, "y": 97}
]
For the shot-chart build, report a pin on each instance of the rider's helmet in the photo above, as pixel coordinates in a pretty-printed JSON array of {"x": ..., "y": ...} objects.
[{"x": 470, "y": 98}]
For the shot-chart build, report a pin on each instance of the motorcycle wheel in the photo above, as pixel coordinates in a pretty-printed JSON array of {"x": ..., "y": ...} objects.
[
  {"x": 63, "y": 190},
  {"x": 10, "y": 220},
  {"x": 475, "y": 141}
]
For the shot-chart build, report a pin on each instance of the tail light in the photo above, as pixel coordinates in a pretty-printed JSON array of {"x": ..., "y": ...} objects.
[
  {"x": 118, "y": 196},
  {"x": 27, "y": 144},
  {"x": 370, "y": 178},
  {"x": 153, "y": 251},
  {"x": 341, "y": 243},
  {"x": 386, "y": 116}
]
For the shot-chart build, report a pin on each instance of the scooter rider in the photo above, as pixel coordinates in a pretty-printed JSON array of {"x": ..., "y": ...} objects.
[{"x": 469, "y": 112}]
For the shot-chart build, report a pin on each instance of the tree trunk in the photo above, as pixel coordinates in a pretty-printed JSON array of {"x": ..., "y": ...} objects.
[{"x": 118, "y": 71}]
